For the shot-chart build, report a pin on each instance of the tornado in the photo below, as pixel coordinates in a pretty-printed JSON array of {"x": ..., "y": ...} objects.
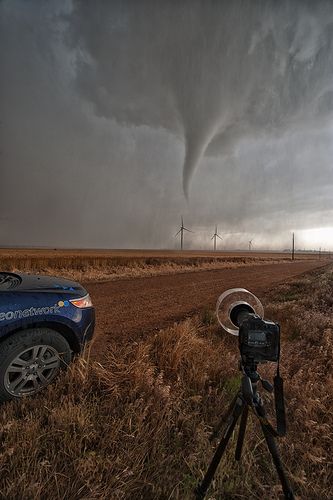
[{"x": 209, "y": 72}]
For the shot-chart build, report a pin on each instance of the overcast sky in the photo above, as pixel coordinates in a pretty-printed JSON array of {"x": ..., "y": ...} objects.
[{"x": 118, "y": 117}]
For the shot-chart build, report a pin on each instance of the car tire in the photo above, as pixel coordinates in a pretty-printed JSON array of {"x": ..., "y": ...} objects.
[{"x": 30, "y": 360}]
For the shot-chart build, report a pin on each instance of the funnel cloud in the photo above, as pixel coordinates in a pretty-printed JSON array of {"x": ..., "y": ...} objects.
[
  {"x": 210, "y": 72},
  {"x": 111, "y": 111}
]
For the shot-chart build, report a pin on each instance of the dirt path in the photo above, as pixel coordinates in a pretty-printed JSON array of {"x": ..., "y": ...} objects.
[{"x": 132, "y": 307}]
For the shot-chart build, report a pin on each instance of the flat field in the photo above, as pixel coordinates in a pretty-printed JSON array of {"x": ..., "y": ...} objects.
[
  {"x": 42, "y": 253},
  {"x": 131, "y": 418},
  {"x": 84, "y": 265}
]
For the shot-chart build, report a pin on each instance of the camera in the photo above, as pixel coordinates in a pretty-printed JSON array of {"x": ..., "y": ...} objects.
[
  {"x": 241, "y": 313},
  {"x": 259, "y": 339}
]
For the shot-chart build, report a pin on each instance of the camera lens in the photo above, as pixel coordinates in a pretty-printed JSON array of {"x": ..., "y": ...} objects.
[{"x": 236, "y": 298}]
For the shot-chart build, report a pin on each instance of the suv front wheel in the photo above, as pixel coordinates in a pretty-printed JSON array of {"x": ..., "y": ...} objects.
[{"x": 30, "y": 360}]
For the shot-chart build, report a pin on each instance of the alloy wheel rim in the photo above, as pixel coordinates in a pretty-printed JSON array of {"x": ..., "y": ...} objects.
[{"x": 31, "y": 370}]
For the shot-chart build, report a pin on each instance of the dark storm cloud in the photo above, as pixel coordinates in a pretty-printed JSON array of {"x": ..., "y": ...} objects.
[
  {"x": 212, "y": 72},
  {"x": 108, "y": 107}
]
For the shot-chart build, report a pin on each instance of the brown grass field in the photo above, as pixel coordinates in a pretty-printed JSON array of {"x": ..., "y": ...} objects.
[
  {"x": 92, "y": 265},
  {"x": 135, "y": 423}
]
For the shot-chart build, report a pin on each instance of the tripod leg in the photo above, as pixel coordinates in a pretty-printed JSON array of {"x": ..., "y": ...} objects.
[
  {"x": 223, "y": 420},
  {"x": 204, "y": 485},
  {"x": 241, "y": 434},
  {"x": 273, "y": 449}
]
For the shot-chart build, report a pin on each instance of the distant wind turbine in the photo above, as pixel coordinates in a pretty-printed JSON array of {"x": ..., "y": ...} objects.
[
  {"x": 181, "y": 231},
  {"x": 215, "y": 235}
]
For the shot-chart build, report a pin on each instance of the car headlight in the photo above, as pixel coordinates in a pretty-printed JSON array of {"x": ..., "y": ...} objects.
[{"x": 82, "y": 302}]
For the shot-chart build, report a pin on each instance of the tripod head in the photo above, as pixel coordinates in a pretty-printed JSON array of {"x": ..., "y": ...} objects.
[{"x": 250, "y": 379}]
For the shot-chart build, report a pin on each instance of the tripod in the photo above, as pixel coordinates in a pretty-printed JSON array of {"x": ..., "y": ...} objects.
[{"x": 246, "y": 397}]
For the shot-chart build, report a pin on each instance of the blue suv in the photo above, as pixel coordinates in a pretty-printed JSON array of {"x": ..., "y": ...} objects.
[{"x": 43, "y": 321}]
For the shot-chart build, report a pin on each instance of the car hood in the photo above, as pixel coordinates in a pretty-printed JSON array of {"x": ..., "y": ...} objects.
[{"x": 36, "y": 283}]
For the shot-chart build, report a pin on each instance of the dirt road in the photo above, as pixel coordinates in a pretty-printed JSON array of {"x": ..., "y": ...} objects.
[{"x": 135, "y": 306}]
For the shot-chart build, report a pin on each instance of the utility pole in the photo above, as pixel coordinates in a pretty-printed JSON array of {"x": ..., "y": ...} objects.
[{"x": 293, "y": 248}]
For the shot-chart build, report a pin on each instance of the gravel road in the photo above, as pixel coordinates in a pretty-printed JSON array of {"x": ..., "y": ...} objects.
[{"x": 132, "y": 307}]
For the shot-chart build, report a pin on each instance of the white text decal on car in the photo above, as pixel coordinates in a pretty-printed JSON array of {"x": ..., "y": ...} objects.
[{"x": 27, "y": 313}]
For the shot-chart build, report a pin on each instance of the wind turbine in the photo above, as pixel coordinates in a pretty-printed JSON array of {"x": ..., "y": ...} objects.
[
  {"x": 181, "y": 231},
  {"x": 215, "y": 235},
  {"x": 250, "y": 245}
]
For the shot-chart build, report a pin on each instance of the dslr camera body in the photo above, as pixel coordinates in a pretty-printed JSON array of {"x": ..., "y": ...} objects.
[
  {"x": 241, "y": 313},
  {"x": 259, "y": 339}
]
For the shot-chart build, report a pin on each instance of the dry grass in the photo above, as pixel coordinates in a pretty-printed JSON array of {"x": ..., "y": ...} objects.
[
  {"x": 91, "y": 267},
  {"x": 138, "y": 426}
]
